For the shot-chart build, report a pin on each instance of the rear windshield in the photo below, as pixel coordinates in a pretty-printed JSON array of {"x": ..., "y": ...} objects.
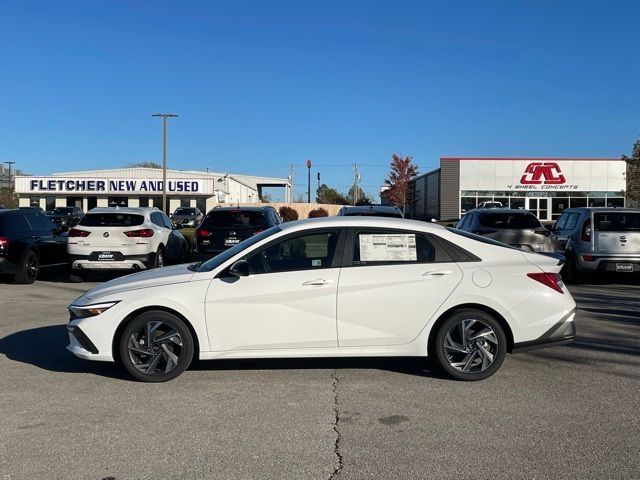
[
  {"x": 617, "y": 221},
  {"x": 111, "y": 220},
  {"x": 13, "y": 223},
  {"x": 234, "y": 219},
  {"x": 509, "y": 220},
  {"x": 185, "y": 211},
  {"x": 480, "y": 238},
  {"x": 63, "y": 211}
]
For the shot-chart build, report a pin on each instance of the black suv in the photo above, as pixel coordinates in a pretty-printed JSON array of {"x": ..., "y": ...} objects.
[
  {"x": 29, "y": 241},
  {"x": 224, "y": 227},
  {"x": 68, "y": 216}
]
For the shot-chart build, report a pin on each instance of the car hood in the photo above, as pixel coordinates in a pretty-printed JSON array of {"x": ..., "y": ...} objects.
[{"x": 149, "y": 278}]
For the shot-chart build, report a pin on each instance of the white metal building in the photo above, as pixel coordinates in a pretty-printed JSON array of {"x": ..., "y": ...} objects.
[{"x": 141, "y": 187}]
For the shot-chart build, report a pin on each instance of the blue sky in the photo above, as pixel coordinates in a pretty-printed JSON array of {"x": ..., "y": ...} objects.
[{"x": 259, "y": 85}]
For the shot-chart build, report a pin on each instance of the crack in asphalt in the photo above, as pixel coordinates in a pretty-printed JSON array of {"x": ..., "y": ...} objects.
[{"x": 336, "y": 420}]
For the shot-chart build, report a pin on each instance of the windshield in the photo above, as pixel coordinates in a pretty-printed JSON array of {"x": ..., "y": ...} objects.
[
  {"x": 219, "y": 259},
  {"x": 185, "y": 211},
  {"x": 509, "y": 220},
  {"x": 480, "y": 238},
  {"x": 111, "y": 220},
  {"x": 234, "y": 219},
  {"x": 617, "y": 221}
]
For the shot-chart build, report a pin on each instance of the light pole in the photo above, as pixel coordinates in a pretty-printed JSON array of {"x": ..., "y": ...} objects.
[
  {"x": 164, "y": 156},
  {"x": 9, "y": 163},
  {"x": 308, "y": 181}
]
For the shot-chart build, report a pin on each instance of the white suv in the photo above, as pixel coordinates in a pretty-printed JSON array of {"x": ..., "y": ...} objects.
[{"x": 124, "y": 239}]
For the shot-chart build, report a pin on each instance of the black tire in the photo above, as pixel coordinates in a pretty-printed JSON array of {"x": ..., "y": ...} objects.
[
  {"x": 29, "y": 267},
  {"x": 159, "y": 260},
  {"x": 467, "y": 358},
  {"x": 78, "y": 276},
  {"x": 569, "y": 273},
  {"x": 134, "y": 361}
]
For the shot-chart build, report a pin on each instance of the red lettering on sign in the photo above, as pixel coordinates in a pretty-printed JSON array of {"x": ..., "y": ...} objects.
[{"x": 538, "y": 173}]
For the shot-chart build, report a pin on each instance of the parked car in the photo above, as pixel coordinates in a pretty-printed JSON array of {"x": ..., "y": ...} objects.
[
  {"x": 29, "y": 241},
  {"x": 331, "y": 287},
  {"x": 599, "y": 240},
  {"x": 518, "y": 228},
  {"x": 187, "y": 216},
  {"x": 68, "y": 216},
  {"x": 370, "y": 210},
  {"x": 114, "y": 238},
  {"x": 225, "y": 227}
]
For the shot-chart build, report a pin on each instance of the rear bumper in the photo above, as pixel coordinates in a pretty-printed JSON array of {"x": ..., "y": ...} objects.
[
  {"x": 128, "y": 262},
  {"x": 607, "y": 262},
  {"x": 7, "y": 267},
  {"x": 562, "y": 332}
]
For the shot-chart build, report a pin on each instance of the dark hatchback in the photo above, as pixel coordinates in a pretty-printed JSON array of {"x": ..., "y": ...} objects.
[
  {"x": 225, "y": 227},
  {"x": 30, "y": 241},
  {"x": 67, "y": 216}
]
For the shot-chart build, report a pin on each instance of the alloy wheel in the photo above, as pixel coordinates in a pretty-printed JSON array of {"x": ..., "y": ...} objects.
[
  {"x": 155, "y": 348},
  {"x": 31, "y": 266},
  {"x": 471, "y": 346}
]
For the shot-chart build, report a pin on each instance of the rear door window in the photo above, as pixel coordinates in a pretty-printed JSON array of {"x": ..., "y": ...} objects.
[
  {"x": 389, "y": 247},
  {"x": 515, "y": 221},
  {"x": 617, "y": 222},
  {"x": 42, "y": 224},
  {"x": 13, "y": 223},
  {"x": 111, "y": 220}
]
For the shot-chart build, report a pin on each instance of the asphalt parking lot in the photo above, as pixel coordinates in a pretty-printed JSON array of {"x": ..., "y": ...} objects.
[{"x": 563, "y": 412}]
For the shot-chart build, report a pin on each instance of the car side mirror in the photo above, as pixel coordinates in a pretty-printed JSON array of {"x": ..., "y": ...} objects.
[
  {"x": 240, "y": 269},
  {"x": 178, "y": 226}
]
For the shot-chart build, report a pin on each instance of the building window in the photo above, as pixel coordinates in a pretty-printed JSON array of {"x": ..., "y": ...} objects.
[
  {"x": 34, "y": 201},
  {"x": 92, "y": 202},
  {"x": 467, "y": 203},
  {"x": 143, "y": 201},
  {"x": 74, "y": 202},
  {"x": 615, "y": 202},
  {"x": 118, "y": 201},
  {"x": 185, "y": 202},
  {"x": 157, "y": 202},
  {"x": 50, "y": 203}
]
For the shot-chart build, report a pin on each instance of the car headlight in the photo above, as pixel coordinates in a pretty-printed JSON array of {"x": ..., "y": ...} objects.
[{"x": 84, "y": 311}]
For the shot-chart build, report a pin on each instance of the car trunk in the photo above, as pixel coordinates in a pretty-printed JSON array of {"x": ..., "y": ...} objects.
[
  {"x": 616, "y": 232},
  {"x": 108, "y": 230},
  {"x": 228, "y": 228}
]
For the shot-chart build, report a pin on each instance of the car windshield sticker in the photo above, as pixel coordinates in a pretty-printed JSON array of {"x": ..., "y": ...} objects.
[
  {"x": 388, "y": 248},
  {"x": 316, "y": 263}
]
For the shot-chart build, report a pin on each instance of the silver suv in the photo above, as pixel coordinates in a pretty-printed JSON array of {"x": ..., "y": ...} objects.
[{"x": 599, "y": 240}]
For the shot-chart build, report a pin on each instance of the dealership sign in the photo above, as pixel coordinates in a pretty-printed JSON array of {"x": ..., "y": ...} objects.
[
  {"x": 62, "y": 185},
  {"x": 543, "y": 175}
]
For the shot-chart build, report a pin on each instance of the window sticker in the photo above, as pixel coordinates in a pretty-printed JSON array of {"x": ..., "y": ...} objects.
[
  {"x": 388, "y": 247},
  {"x": 316, "y": 263}
]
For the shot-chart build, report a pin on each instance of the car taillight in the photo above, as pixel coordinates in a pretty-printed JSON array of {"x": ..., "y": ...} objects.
[
  {"x": 201, "y": 232},
  {"x": 144, "y": 233},
  {"x": 4, "y": 242},
  {"x": 543, "y": 231},
  {"x": 74, "y": 232},
  {"x": 585, "y": 234},
  {"x": 588, "y": 258},
  {"x": 551, "y": 280}
]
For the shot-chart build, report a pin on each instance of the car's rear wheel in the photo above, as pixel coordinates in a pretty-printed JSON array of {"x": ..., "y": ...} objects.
[
  {"x": 29, "y": 267},
  {"x": 156, "y": 346},
  {"x": 159, "y": 260},
  {"x": 570, "y": 273},
  {"x": 470, "y": 345}
]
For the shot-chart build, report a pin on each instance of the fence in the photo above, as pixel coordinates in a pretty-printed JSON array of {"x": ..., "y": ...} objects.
[{"x": 303, "y": 209}]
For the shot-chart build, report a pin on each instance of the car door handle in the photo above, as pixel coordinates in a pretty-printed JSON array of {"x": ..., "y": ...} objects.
[
  {"x": 437, "y": 273},
  {"x": 316, "y": 282}
]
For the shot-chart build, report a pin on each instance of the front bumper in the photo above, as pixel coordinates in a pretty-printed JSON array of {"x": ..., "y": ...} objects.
[{"x": 562, "y": 332}]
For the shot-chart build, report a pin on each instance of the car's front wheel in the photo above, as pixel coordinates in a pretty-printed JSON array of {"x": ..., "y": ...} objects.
[
  {"x": 470, "y": 345},
  {"x": 28, "y": 269},
  {"x": 156, "y": 346}
]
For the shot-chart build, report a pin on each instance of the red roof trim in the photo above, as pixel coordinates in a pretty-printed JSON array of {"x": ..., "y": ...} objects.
[{"x": 529, "y": 158}]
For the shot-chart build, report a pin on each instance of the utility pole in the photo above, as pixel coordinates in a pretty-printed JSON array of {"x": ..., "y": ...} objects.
[
  {"x": 356, "y": 181},
  {"x": 308, "y": 181},
  {"x": 164, "y": 156},
  {"x": 10, "y": 184},
  {"x": 318, "y": 180},
  {"x": 291, "y": 197}
]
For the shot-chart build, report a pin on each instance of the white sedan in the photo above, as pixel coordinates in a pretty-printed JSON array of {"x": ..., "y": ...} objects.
[{"x": 332, "y": 287}]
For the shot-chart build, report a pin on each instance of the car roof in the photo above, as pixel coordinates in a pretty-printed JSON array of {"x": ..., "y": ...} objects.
[
  {"x": 500, "y": 210},
  {"x": 136, "y": 210},
  {"x": 361, "y": 221},
  {"x": 371, "y": 208},
  {"x": 238, "y": 209},
  {"x": 602, "y": 209}
]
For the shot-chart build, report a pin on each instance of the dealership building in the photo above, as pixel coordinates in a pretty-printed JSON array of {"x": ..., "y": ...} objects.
[
  {"x": 142, "y": 187},
  {"x": 544, "y": 186}
]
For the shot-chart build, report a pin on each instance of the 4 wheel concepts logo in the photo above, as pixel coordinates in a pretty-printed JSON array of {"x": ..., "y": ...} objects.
[{"x": 547, "y": 173}]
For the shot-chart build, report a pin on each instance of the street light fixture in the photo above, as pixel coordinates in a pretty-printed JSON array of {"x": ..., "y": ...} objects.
[{"x": 164, "y": 156}]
